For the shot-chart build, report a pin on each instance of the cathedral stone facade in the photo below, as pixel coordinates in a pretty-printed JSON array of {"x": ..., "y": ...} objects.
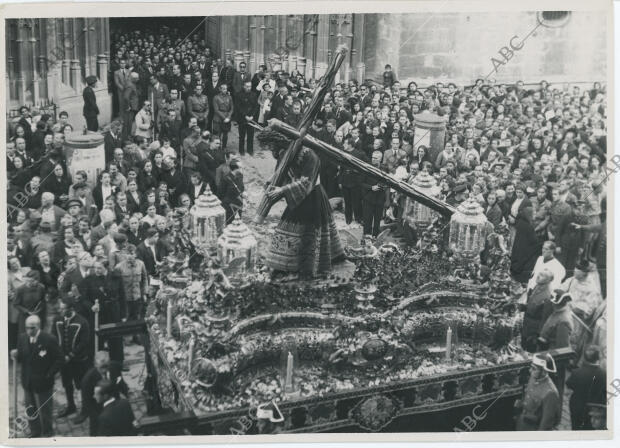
[{"x": 47, "y": 61}]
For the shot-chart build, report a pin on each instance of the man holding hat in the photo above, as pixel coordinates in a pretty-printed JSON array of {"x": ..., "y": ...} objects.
[
  {"x": 540, "y": 409},
  {"x": 90, "y": 110}
]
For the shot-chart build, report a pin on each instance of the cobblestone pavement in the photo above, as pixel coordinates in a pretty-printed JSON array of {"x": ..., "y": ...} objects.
[{"x": 257, "y": 169}]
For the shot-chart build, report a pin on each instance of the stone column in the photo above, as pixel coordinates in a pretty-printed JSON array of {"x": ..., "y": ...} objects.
[
  {"x": 21, "y": 64},
  {"x": 66, "y": 71},
  {"x": 360, "y": 71},
  {"x": 322, "y": 46},
  {"x": 277, "y": 62},
  {"x": 238, "y": 58},
  {"x": 301, "y": 65},
  {"x": 348, "y": 34},
  {"x": 357, "y": 46},
  {"x": 76, "y": 75},
  {"x": 310, "y": 46},
  {"x": 292, "y": 63},
  {"x": 34, "y": 63},
  {"x": 102, "y": 68},
  {"x": 430, "y": 131},
  {"x": 252, "y": 65},
  {"x": 260, "y": 56}
]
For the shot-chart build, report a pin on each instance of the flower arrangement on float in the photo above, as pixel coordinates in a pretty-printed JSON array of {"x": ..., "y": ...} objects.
[{"x": 225, "y": 339}]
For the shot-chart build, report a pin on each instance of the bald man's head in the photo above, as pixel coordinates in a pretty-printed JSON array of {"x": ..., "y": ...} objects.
[{"x": 33, "y": 325}]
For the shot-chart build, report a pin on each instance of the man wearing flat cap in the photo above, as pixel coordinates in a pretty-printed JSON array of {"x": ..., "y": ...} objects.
[
  {"x": 90, "y": 110},
  {"x": 540, "y": 409}
]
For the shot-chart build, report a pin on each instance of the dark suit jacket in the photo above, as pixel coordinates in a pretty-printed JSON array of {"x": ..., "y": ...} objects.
[
  {"x": 342, "y": 116},
  {"x": 116, "y": 419},
  {"x": 90, "y": 380},
  {"x": 90, "y": 103},
  {"x": 27, "y": 131},
  {"x": 40, "y": 361},
  {"x": 238, "y": 80},
  {"x": 212, "y": 91},
  {"x": 277, "y": 103},
  {"x": 130, "y": 94},
  {"x": 132, "y": 205},
  {"x": 73, "y": 277},
  {"x": 120, "y": 215},
  {"x": 246, "y": 104},
  {"x": 371, "y": 197},
  {"x": 73, "y": 338},
  {"x": 145, "y": 254},
  {"x": 110, "y": 144},
  {"x": 588, "y": 384}
]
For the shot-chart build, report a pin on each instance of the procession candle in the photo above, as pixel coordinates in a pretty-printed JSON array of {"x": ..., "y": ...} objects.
[
  {"x": 169, "y": 319},
  {"x": 448, "y": 343},
  {"x": 190, "y": 357},
  {"x": 288, "y": 384}
]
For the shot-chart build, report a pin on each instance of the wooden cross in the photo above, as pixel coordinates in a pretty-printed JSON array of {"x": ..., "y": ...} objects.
[{"x": 280, "y": 176}]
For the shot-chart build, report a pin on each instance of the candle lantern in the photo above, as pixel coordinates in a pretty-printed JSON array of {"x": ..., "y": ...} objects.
[
  {"x": 417, "y": 214},
  {"x": 289, "y": 363},
  {"x": 207, "y": 220},
  {"x": 468, "y": 230},
  {"x": 237, "y": 241}
]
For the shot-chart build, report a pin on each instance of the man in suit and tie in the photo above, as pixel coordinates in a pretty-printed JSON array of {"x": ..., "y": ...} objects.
[
  {"x": 41, "y": 359},
  {"x": 247, "y": 109},
  {"x": 342, "y": 113},
  {"x": 25, "y": 122},
  {"x": 131, "y": 104},
  {"x": 103, "y": 369},
  {"x": 112, "y": 140},
  {"x": 239, "y": 79},
  {"x": 150, "y": 252},
  {"x": 73, "y": 286},
  {"x": 278, "y": 102},
  {"x": 90, "y": 110},
  {"x": 121, "y": 79},
  {"x": 116, "y": 417},
  {"x": 157, "y": 94},
  {"x": 213, "y": 89},
  {"x": 120, "y": 209}
]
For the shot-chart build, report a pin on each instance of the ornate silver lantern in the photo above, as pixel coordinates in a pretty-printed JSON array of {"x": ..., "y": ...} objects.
[
  {"x": 237, "y": 242},
  {"x": 468, "y": 230},
  {"x": 419, "y": 215},
  {"x": 207, "y": 220}
]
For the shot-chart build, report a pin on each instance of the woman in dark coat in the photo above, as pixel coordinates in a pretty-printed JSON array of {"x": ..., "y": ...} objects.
[{"x": 526, "y": 247}]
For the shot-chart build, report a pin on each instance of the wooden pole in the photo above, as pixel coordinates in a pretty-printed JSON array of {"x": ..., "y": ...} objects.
[
  {"x": 313, "y": 109},
  {"x": 15, "y": 410},
  {"x": 362, "y": 167},
  {"x": 97, "y": 326}
]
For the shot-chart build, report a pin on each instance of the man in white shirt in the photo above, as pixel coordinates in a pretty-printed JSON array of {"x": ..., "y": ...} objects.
[{"x": 548, "y": 261}]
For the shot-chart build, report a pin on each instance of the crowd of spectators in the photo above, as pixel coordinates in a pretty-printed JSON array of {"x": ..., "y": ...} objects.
[{"x": 533, "y": 157}]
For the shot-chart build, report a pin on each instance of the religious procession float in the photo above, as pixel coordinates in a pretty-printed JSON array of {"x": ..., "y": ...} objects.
[
  {"x": 400, "y": 337},
  {"x": 393, "y": 339}
]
